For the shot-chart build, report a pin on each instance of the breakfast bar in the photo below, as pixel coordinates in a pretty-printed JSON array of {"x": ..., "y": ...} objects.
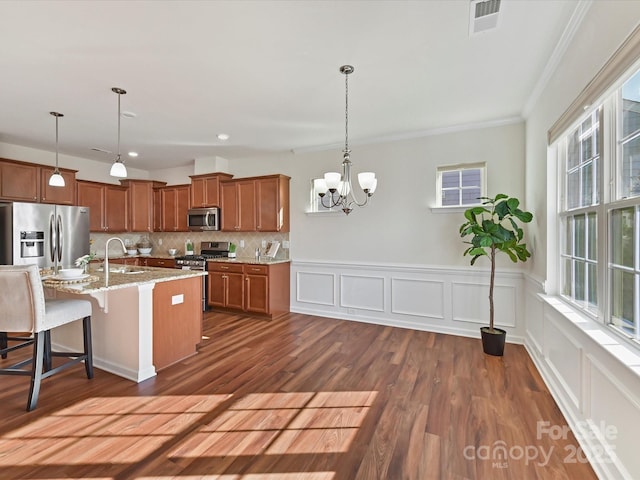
[{"x": 144, "y": 318}]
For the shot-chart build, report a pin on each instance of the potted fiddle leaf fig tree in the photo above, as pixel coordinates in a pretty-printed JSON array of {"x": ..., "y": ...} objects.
[{"x": 493, "y": 228}]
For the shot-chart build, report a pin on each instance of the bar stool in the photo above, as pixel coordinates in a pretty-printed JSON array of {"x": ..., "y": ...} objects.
[{"x": 23, "y": 308}]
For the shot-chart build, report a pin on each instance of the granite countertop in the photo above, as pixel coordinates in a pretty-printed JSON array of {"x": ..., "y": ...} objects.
[
  {"x": 251, "y": 260},
  {"x": 100, "y": 258},
  {"x": 136, "y": 276}
]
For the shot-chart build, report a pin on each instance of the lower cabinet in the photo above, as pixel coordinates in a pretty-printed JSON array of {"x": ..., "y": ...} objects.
[
  {"x": 133, "y": 261},
  {"x": 252, "y": 288}
]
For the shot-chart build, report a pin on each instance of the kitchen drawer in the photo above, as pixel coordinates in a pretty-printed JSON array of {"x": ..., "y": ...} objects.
[
  {"x": 224, "y": 267},
  {"x": 160, "y": 262},
  {"x": 256, "y": 269}
]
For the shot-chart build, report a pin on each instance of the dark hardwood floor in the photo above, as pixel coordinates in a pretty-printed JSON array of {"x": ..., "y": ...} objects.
[{"x": 296, "y": 398}]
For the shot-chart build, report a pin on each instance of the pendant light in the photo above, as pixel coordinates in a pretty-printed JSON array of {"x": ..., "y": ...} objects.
[
  {"x": 339, "y": 186},
  {"x": 118, "y": 169},
  {"x": 56, "y": 180}
]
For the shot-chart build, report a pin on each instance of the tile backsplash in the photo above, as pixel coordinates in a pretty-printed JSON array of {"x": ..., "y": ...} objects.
[{"x": 163, "y": 241}]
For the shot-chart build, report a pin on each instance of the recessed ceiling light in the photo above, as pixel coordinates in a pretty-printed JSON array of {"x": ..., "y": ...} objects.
[
  {"x": 223, "y": 136},
  {"x": 133, "y": 154}
]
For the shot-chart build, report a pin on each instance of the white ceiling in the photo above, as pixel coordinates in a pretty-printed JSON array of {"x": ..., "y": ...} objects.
[{"x": 264, "y": 72}]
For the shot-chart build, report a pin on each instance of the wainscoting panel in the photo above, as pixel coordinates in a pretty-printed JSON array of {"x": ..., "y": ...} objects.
[
  {"x": 315, "y": 288},
  {"x": 446, "y": 300},
  {"x": 421, "y": 298},
  {"x": 593, "y": 375},
  {"x": 475, "y": 308},
  {"x": 612, "y": 407},
  {"x": 564, "y": 355},
  {"x": 362, "y": 292}
]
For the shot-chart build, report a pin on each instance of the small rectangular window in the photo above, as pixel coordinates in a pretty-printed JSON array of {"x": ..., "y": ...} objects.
[
  {"x": 319, "y": 204},
  {"x": 461, "y": 185}
]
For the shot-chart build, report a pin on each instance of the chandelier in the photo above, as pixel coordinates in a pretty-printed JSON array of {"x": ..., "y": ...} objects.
[
  {"x": 336, "y": 189},
  {"x": 118, "y": 169},
  {"x": 56, "y": 179}
]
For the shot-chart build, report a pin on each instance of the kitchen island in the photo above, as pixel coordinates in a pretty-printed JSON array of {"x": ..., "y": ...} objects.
[{"x": 144, "y": 318}]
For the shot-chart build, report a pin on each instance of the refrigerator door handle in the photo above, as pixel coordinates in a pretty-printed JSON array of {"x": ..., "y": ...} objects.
[
  {"x": 60, "y": 235},
  {"x": 52, "y": 240}
]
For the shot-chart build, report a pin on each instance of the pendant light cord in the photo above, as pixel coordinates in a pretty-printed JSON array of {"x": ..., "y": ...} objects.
[
  {"x": 118, "y": 126},
  {"x": 346, "y": 112}
]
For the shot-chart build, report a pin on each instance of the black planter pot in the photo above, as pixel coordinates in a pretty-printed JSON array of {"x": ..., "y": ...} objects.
[{"x": 493, "y": 341}]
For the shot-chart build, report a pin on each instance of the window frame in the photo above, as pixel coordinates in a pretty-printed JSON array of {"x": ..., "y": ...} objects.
[
  {"x": 610, "y": 200},
  {"x": 460, "y": 167}
]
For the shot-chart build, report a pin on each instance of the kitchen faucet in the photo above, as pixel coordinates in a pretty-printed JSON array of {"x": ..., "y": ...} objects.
[{"x": 106, "y": 256}]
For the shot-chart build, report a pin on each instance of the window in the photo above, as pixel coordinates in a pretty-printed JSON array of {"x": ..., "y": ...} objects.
[
  {"x": 316, "y": 202},
  {"x": 599, "y": 221},
  {"x": 461, "y": 185},
  {"x": 581, "y": 173}
]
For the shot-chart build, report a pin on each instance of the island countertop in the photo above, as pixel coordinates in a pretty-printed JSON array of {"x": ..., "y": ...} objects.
[{"x": 120, "y": 276}]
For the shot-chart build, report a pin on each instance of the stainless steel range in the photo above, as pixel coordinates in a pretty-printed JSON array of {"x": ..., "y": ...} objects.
[
  {"x": 208, "y": 250},
  {"x": 199, "y": 262}
]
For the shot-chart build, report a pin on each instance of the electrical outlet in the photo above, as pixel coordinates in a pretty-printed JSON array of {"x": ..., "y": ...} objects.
[
  {"x": 264, "y": 243},
  {"x": 351, "y": 311},
  {"x": 285, "y": 244},
  {"x": 241, "y": 243},
  {"x": 159, "y": 241}
]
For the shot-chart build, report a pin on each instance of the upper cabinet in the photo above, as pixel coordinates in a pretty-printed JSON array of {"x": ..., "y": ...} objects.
[
  {"x": 272, "y": 203},
  {"x": 256, "y": 204},
  {"x": 205, "y": 189},
  {"x": 141, "y": 204},
  {"x": 174, "y": 204},
  {"x": 238, "y": 208},
  {"x": 60, "y": 195},
  {"x": 28, "y": 182},
  {"x": 19, "y": 181},
  {"x": 108, "y": 204}
]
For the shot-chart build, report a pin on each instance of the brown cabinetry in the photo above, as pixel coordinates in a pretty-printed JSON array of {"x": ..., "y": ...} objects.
[
  {"x": 131, "y": 261},
  {"x": 19, "y": 181},
  {"x": 205, "y": 189},
  {"x": 272, "y": 203},
  {"x": 157, "y": 262},
  {"x": 29, "y": 182},
  {"x": 108, "y": 204},
  {"x": 238, "y": 206},
  {"x": 174, "y": 204},
  {"x": 59, "y": 195},
  {"x": 141, "y": 204},
  {"x": 259, "y": 289},
  {"x": 226, "y": 286},
  {"x": 255, "y": 204},
  {"x": 177, "y": 326}
]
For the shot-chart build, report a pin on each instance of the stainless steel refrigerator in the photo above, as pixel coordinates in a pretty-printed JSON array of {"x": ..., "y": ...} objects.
[{"x": 50, "y": 236}]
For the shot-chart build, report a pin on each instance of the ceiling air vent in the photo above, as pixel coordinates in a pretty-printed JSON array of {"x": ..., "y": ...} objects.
[{"x": 483, "y": 15}]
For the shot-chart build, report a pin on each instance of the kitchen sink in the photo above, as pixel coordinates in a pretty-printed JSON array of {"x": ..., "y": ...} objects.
[{"x": 124, "y": 269}]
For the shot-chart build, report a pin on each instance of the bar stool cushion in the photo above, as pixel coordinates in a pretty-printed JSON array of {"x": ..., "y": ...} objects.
[{"x": 59, "y": 312}]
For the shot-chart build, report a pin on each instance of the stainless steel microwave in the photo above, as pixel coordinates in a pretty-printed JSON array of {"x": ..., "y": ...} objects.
[{"x": 203, "y": 219}]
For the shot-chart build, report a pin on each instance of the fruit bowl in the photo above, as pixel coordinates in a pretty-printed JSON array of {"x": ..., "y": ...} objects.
[{"x": 144, "y": 250}]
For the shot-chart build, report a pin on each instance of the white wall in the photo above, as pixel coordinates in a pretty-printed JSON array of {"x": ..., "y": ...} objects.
[
  {"x": 398, "y": 226},
  {"x": 593, "y": 375}
]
